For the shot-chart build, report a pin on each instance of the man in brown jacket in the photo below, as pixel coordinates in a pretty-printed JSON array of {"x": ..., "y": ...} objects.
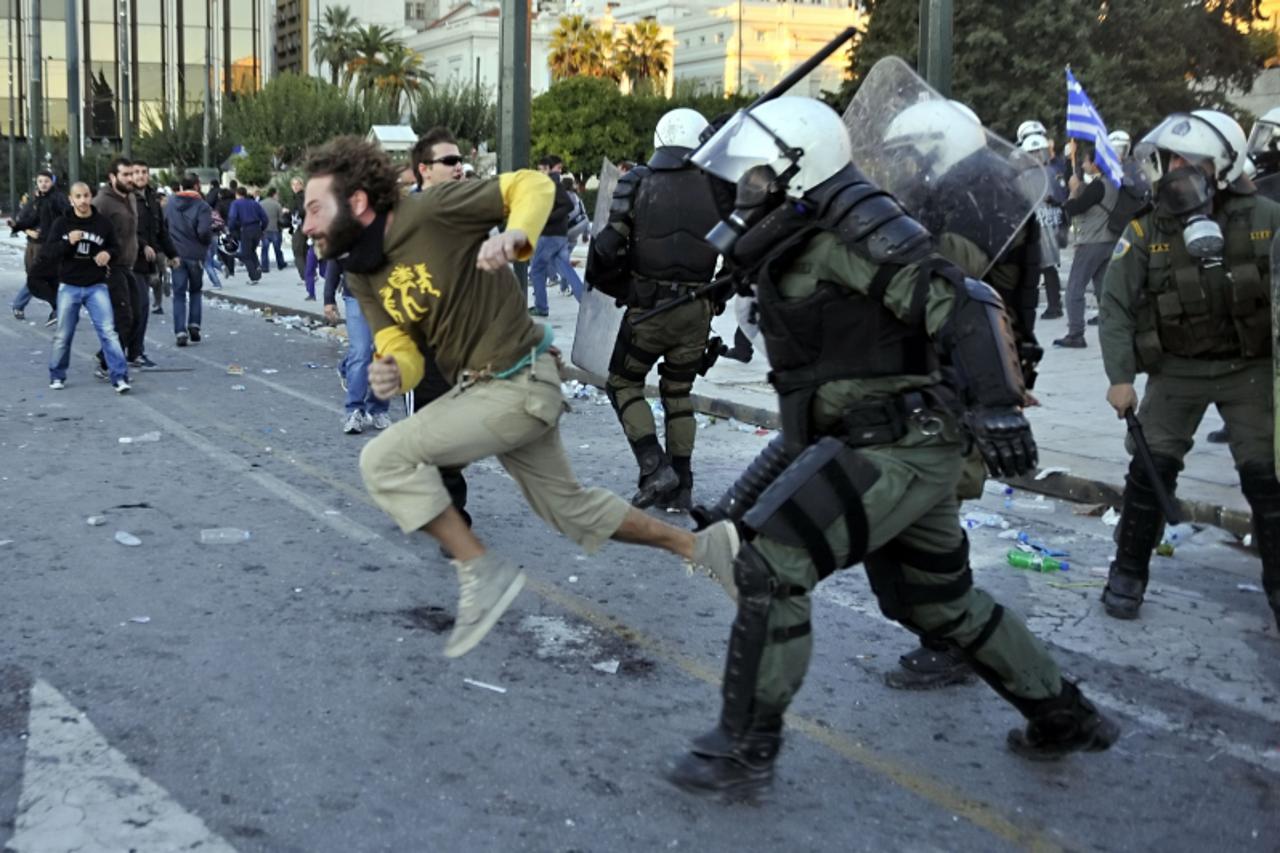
[{"x": 117, "y": 202}]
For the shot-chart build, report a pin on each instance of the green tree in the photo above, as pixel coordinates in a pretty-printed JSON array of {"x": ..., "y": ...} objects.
[
  {"x": 292, "y": 112},
  {"x": 1136, "y": 60},
  {"x": 580, "y": 49},
  {"x": 369, "y": 46},
  {"x": 470, "y": 111},
  {"x": 254, "y": 168},
  {"x": 179, "y": 143},
  {"x": 642, "y": 56},
  {"x": 400, "y": 75},
  {"x": 333, "y": 40}
]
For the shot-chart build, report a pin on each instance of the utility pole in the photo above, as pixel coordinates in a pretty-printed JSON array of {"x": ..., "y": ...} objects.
[
  {"x": 36, "y": 115},
  {"x": 126, "y": 83},
  {"x": 73, "y": 94},
  {"x": 935, "y": 64},
  {"x": 513, "y": 86},
  {"x": 13, "y": 164}
]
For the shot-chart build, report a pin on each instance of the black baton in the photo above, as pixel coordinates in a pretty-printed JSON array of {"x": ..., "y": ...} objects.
[{"x": 1167, "y": 506}]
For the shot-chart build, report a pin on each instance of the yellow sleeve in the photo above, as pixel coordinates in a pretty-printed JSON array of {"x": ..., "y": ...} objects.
[
  {"x": 528, "y": 197},
  {"x": 396, "y": 342}
]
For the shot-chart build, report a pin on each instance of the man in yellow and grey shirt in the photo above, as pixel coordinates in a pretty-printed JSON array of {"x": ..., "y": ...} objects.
[{"x": 428, "y": 275}]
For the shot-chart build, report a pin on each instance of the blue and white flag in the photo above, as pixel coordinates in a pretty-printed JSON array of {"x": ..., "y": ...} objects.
[{"x": 1083, "y": 122}]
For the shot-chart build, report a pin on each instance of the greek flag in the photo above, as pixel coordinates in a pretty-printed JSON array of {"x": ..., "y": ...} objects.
[{"x": 1083, "y": 122}]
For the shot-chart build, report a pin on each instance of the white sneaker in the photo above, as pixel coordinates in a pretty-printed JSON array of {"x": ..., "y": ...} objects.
[
  {"x": 355, "y": 423},
  {"x": 715, "y": 549},
  {"x": 489, "y": 585},
  {"x": 122, "y": 386},
  {"x": 57, "y": 385},
  {"x": 381, "y": 420}
]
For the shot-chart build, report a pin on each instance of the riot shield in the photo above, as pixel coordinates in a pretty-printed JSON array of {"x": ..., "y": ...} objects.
[
  {"x": 1275, "y": 344},
  {"x": 949, "y": 172},
  {"x": 599, "y": 317}
]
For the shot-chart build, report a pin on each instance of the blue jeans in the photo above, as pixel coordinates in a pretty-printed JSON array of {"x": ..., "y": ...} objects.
[
  {"x": 271, "y": 239},
  {"x": 211, "y": 265},
  {"x": 20, "y": 301},
  {"x": 355, "y": 366},
  {"x": 551, "y": 253},
  {"x": 188, "y": 278},
  {"x": 97, "y": 302}
]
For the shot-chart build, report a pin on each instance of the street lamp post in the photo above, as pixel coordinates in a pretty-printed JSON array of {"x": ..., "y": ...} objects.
[
  {"x": 935, "y": 44},
  {"x": 73, "y": 94},
  {"x": 13, "y": 170},
  {"x": 126, "y": 88},
  {"x": 36, "y": 120}
]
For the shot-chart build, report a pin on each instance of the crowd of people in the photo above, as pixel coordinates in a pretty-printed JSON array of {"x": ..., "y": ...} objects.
[{"x": 899, "y": 326}]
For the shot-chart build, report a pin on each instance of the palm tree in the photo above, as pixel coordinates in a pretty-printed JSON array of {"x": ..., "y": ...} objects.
[
  {"x": 399, "y": 74},
  {"x": 600, "y": 56},
  {"x": 333, "y": 40},
  {"x": 643, "y": 54},
  {"x": 369, "y": 46},
  {"x": 571, "y": 46}
]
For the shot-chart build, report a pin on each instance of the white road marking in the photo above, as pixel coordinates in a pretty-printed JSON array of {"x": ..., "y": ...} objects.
[{"x": 80, "y": 793}]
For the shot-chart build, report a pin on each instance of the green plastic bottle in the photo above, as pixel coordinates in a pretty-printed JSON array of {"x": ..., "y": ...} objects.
[{"x": 1035, "y": 562}]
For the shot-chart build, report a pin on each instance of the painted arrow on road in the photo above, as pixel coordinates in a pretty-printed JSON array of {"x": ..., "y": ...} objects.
[{"x": 80, "y": 793}]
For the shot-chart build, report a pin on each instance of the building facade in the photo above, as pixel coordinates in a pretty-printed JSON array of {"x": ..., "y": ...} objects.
[{"x": 171, "y": 49}]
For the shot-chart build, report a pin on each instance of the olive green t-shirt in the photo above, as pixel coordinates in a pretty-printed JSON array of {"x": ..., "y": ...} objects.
[{"x": 430, "y": 288}]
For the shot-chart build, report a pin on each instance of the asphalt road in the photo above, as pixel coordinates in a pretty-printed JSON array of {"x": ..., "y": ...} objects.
[{"x": 288, "y": 693}]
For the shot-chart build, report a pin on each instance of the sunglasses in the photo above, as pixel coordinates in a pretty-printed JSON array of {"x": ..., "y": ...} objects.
[{"x": 451, "y": 160}]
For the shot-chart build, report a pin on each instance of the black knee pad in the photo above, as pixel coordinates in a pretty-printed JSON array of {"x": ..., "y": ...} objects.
[
  {"x": 1140, "y": 481},
  {"x": 897, "y": 597},
  {"x": 825, "y": 482}
]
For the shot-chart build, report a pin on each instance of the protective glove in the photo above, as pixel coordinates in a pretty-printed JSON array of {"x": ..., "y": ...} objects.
[{"x": 1005, "y": 440}]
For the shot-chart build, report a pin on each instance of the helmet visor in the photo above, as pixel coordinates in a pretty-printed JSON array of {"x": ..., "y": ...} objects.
[
  {"x": 743, "y": 142},
  {"x": 1263, "y": 137}
]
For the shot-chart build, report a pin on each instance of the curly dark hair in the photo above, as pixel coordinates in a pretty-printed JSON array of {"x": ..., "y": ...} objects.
[{"x": 357, "y": 164}]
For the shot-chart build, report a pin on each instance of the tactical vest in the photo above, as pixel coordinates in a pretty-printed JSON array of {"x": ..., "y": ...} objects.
[
  {"x": 674, "y": 209},
  {"x": 835, "y": 333},
  {"x": 1218, "y": 312}
]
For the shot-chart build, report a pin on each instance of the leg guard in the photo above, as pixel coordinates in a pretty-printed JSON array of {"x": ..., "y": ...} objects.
[
  {"x": 676, "y": 385},
  {"x": 743, "y": 494},
  {"x": 824, "y": 483},
  {"x": 681, "y": 499},
  {"x": 1261, "y": 489},
  {"x": 1140, "y": 525}
]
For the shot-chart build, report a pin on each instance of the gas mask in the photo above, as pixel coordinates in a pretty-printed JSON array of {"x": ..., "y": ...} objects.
[
  {"x": 759, "y": 191},
  {"x": 1186, "y": 192}
]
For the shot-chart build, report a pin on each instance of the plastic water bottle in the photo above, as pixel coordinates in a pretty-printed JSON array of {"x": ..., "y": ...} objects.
[
  {"x": 1036, "y": 562},
  {"x": 1175, "y": 535},
  {"x": 223, "y": 536}
]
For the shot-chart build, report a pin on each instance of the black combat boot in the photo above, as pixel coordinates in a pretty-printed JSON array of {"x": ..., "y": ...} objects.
[
  {"x": 657, "y": 477},
  {"x": 727, "y": 766},
  {"x": 1140, "y": 524},
  {"x": 1059, "y": 726},
  {"x": 933, "y": 664},
  {"x": 1258, "y": 482},
  {"x": 679, "y": 499}
]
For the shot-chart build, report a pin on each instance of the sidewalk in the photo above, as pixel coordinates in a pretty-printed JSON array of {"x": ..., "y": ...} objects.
[{"x": 1074, "y": 426}]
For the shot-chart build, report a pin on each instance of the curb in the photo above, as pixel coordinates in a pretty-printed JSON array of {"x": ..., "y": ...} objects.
[{"x": 1061, "y": 486}]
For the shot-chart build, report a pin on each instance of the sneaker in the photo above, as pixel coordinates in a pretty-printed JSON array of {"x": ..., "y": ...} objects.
[
  {"x": 19, "y": 314},
  {"x": 52, "y": 321},
  {"x": 488, "y": 586},
  {"x": 142, "y": 361},
  {"x": 122, "y": 386},
  {"x": 1092, "y": 321},
  {"x": 307, "y": 299},
  {"x": 101, "y": 373},
  {"x": 534, "y": 312},
  {"x": 355, "y": 423},
  {"x": 1071, "y": 342},
  {"x": 57, "y": 385},
  {"x": 715, "y": 549},
  {"x": 182, "y": 339},
  {"x": 159, "y": 309},
  {"x": 1051, "y": 314},
  {"x": 381, "y": 420},
  {"x": 194, "y": 332}
]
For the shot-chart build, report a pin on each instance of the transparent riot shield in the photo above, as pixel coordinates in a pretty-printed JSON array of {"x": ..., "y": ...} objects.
[
  {"x": 599, "y": 317},
  {"x": 1275, "y": 343},
  {"x": 949, "y": 172}
]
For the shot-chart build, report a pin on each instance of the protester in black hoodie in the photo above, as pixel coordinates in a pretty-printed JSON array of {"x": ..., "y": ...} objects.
[
  {"x": 36, "y": 218},
  {"x": 190, "y": 225},
  {"x": 83, "y": 242}
]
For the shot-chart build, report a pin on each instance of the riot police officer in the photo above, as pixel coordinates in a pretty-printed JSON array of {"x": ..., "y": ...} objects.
[
  {"x": 654, "y": 242},
  {"x": 1187, "y": 300},
  {"x": 858, "y": 312},
  {"x": 1264, "y": 151}
]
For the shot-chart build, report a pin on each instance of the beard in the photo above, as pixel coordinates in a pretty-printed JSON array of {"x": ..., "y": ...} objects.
[{"x": 342, "y": 234}]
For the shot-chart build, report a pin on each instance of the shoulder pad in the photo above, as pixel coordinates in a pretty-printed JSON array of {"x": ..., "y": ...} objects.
[
  {"x": 872, "y": 223},
  {"x": 624, "y": 195},
  {"x": 668, "y": 158}
]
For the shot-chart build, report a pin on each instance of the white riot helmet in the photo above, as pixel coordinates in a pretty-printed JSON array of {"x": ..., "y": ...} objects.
[
  {"x": 1200, "y": 136},
  {"x": 802, "y": 140},
  {"x": 1029, "y": 127},
  {"x": 1264, "y": 141},
  {"x": 1037, "y": 145},
  {"x": 939, "y": 134},
  {"x": 967, "y": 110},
  {"x": 1120, "y": 142},
  {"x": 679, "y": 128}
]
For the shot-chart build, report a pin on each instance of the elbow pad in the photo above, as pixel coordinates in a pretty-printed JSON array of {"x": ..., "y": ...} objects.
[{"x": 977, "y": 343}]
